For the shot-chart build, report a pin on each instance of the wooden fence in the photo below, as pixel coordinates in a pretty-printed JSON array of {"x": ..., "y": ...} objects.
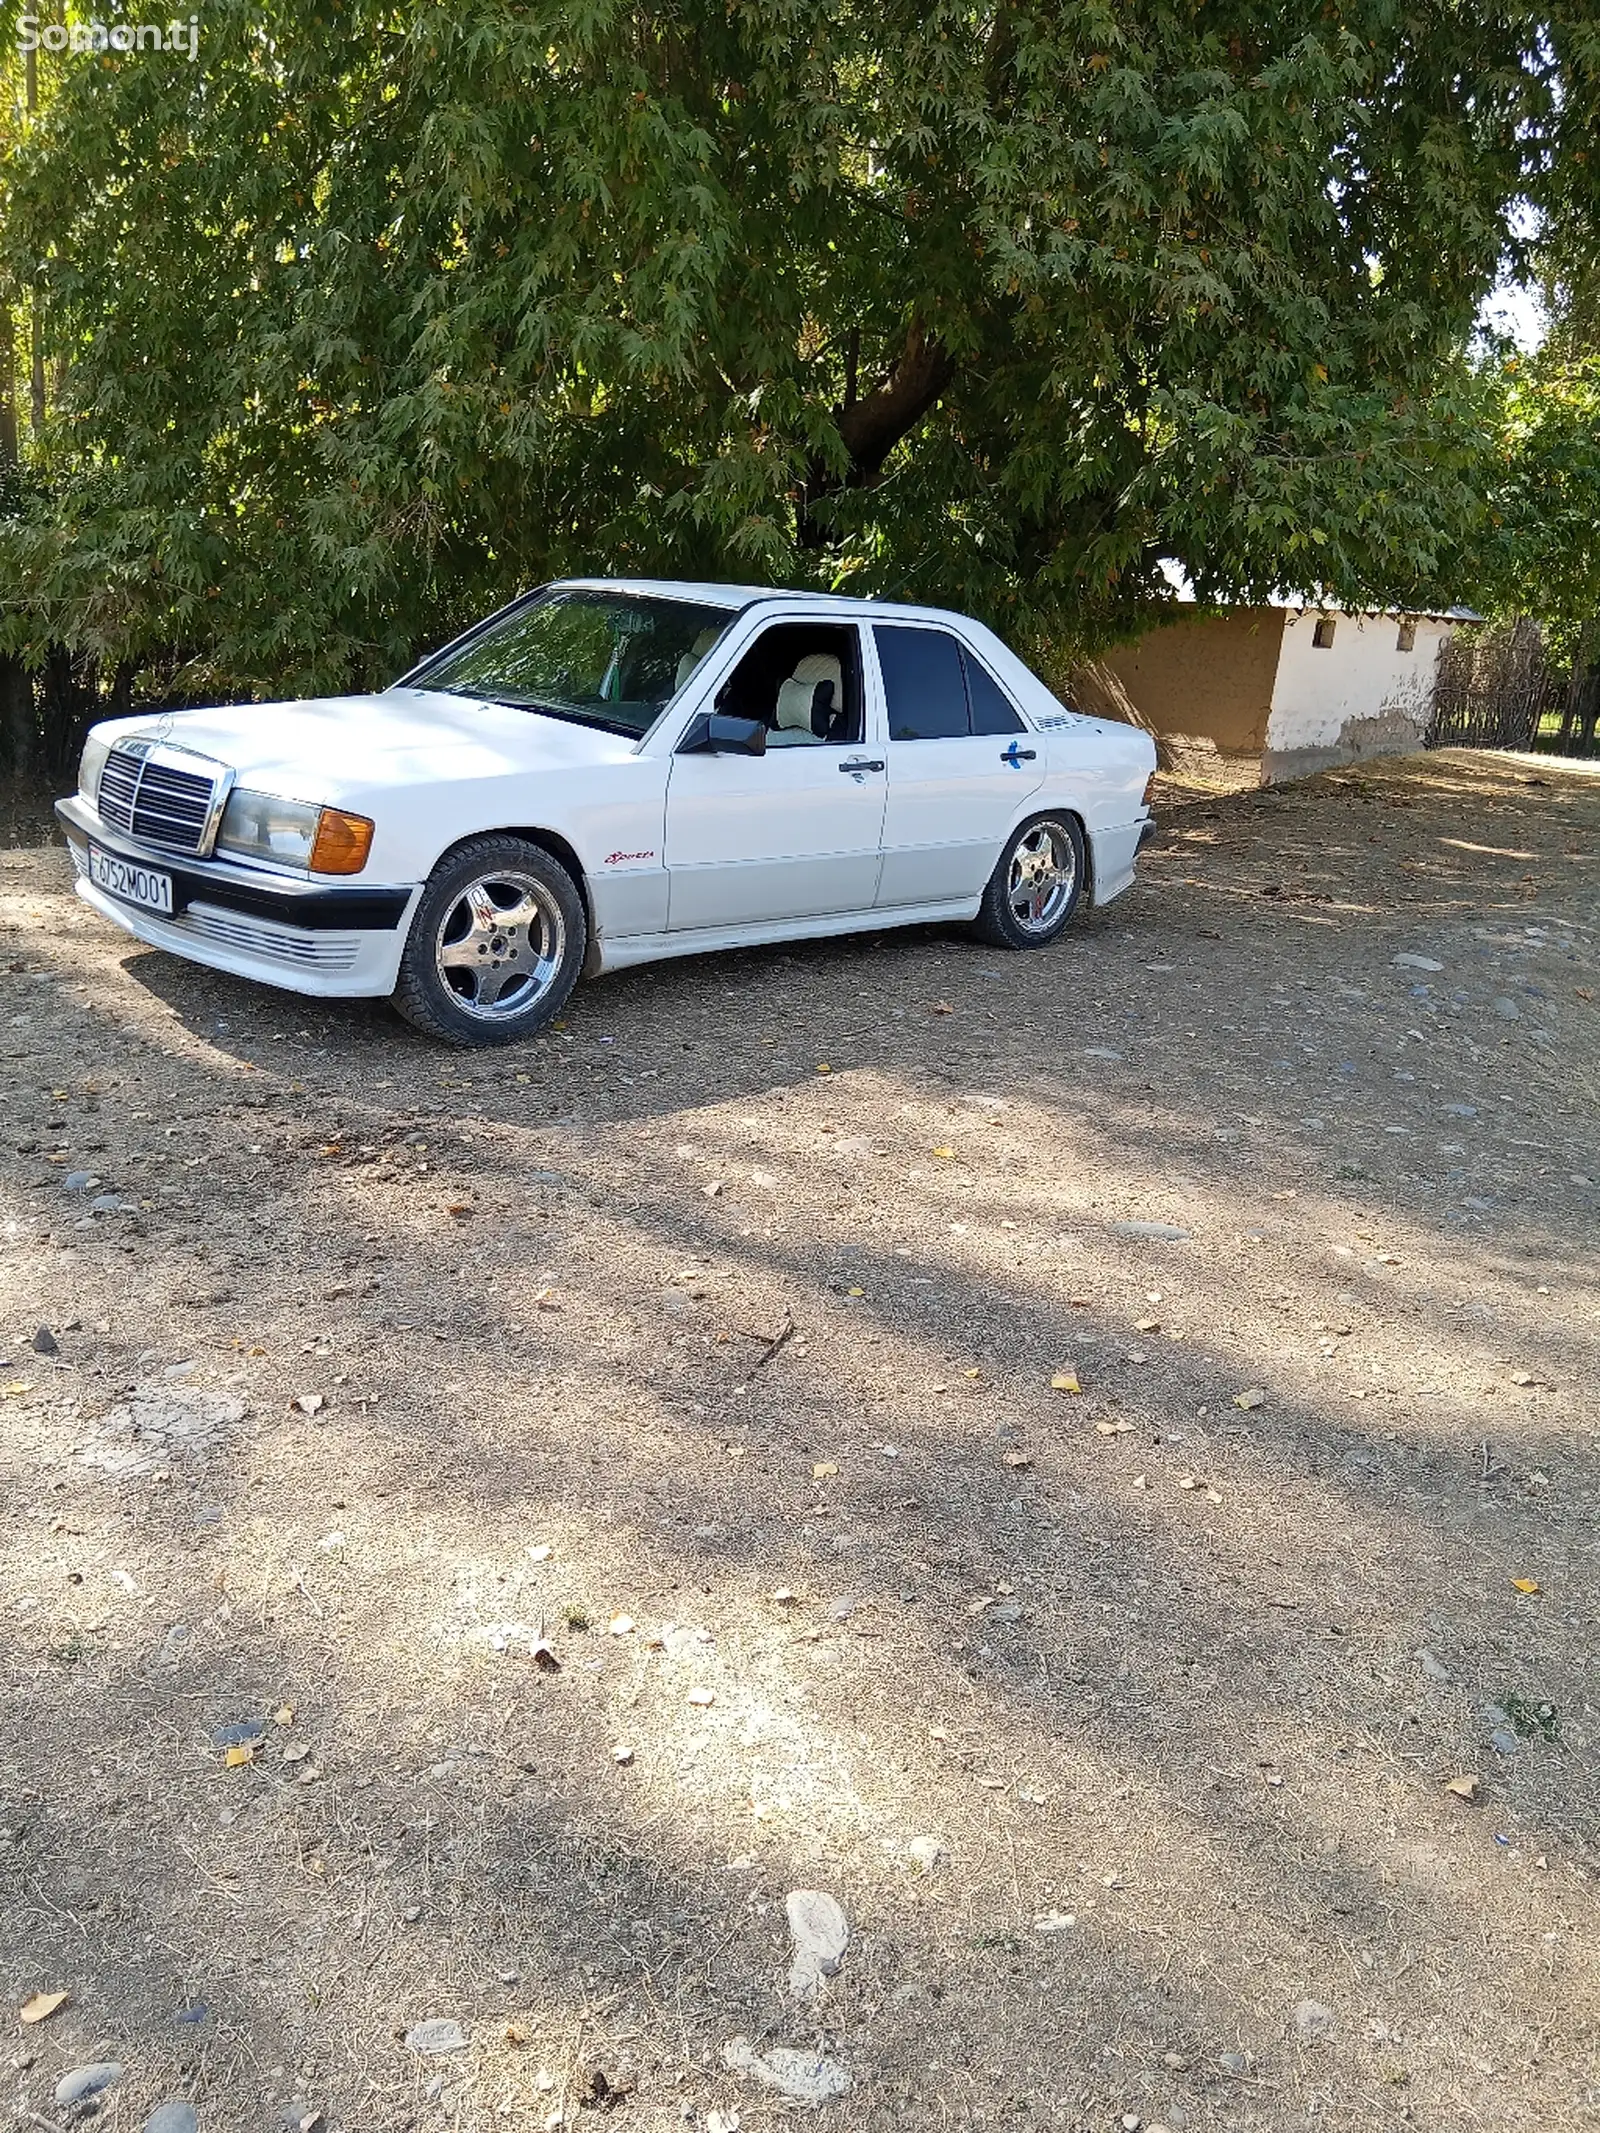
[{"x": 1498, "y": 687}]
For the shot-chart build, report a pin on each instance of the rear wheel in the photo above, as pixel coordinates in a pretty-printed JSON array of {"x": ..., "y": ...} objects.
[
  {"x": 496, "y": 945},
  {"x": 1035, "y": 887}
]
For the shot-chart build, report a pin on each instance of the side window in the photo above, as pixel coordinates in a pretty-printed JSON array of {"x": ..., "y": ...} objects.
[
  {"x": 922, "y": 682},
  {"x": 991, "y": 708},
  {"x": 801, "y": 679}
]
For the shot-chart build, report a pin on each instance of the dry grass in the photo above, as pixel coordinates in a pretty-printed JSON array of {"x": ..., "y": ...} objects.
[{"x": 1188, "y": 1718}]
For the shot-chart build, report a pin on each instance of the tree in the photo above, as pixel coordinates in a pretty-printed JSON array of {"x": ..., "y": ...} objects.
[{"x": 376, "y": 312}]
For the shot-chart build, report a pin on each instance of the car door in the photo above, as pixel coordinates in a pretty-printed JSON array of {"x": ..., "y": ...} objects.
[
  {"x": 961, "y": 764},
  {"x": 792, "y": 834}
]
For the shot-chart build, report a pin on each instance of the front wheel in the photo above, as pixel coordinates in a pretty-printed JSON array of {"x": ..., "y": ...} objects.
[
  {"x": 496, "y": 945},
  {"x": 1034, "y": 889}
]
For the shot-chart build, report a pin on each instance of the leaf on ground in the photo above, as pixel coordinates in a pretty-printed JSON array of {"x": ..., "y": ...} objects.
[
  {"x": 1187, "y": 1481},
  {"x": 941, "y": 1007},
  {"x": 1019, "y": 1459},
  {"x": 701, "y": 1698},
  {"x": 620, "y": 1625},
  {"x": 1528, "y": 1585},
  {"x": 1065, "y": 1381},
  {"x": 823, "y": 1469},
  {"x": 823, "y": 1067},
  {"x": 1255, "y": 1397},
  {"x": 42, "y": 2006},
  {"x": 711, "y": 1191},
  {"x": 1464, "y": 1788},
  {"x": 310, "y": 1403},
  {"x": 945, "y": 1155},
  {"x": 234, "y": 1757},
  {"x": 516, "y": 2033},
  {"x": 1113, "y": 1429},
  {"x": 284, "y": 1715}
]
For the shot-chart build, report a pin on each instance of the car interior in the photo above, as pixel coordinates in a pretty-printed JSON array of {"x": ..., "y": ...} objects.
[{"x": 802, "y": 681}]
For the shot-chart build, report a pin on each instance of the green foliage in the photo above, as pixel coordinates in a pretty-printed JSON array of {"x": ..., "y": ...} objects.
[
  {"x": 1541, "y": 553},
  {"x": 382, "y": 311}
]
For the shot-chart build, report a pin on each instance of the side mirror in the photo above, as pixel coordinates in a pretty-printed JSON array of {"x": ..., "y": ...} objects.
[{"x": 735, "y": 736}]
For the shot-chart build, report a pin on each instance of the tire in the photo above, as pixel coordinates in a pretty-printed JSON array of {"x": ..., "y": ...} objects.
[
  {"x": 1041, "y": 872},
  {"x": 496, "y": 945}
]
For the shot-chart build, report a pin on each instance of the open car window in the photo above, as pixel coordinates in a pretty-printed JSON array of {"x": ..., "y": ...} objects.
[
  {"x": 802, "y": 680},
  {"x": 606, "y": 659}
]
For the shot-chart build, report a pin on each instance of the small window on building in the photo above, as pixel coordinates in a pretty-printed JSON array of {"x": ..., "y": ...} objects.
[
  {"x": 1322, "y": 635},
  {"x": 1407, "y": 639}
]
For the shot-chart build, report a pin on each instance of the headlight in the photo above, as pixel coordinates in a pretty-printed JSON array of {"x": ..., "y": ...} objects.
[
  {"x": 257, "y": 826},
  {"x": 90, "y": 764},
  {"x": 293, "y": 833}
]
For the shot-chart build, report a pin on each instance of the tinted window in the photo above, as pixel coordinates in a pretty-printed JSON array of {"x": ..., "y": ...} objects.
[
  {"x": 922, "y": 683},
  {"x": 991, "y": 708}
]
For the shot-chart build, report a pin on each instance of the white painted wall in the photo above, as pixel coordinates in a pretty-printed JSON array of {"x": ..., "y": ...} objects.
[{"x": 1360, "y": 696}]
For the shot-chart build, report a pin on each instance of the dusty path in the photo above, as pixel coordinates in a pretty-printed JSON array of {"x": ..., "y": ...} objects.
[{"x": 1141, "y": 1661}]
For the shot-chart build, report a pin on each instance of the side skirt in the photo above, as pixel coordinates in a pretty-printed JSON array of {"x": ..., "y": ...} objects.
[{"x": 656, "y": 947}]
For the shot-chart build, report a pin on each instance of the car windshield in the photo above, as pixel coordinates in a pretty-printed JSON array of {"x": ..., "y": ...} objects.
[{"x": 608, "y": 659}]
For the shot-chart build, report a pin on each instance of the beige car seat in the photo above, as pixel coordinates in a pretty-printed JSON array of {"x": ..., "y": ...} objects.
[
  {"x": 692, "y": 658},
  {"x": 797, "y": 697}
]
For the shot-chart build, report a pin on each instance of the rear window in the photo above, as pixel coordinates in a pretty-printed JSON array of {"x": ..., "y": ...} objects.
[{"x": 923, "y": 684}]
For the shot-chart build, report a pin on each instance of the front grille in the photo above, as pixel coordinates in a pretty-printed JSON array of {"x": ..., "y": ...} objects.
[{"x": 153, "y": 801}]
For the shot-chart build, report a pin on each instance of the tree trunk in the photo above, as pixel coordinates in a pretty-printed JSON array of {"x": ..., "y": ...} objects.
[{"x": 871, "y": 425}]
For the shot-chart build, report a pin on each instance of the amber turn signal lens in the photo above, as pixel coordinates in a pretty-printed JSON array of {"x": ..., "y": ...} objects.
[{"x": 342, "y": 843}]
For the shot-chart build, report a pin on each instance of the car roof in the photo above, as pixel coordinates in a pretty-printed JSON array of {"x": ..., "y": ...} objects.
[{"x": 738, "y": 597}]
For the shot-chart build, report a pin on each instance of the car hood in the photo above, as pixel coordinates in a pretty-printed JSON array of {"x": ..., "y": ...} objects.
[{"x": 328, "y": 747}]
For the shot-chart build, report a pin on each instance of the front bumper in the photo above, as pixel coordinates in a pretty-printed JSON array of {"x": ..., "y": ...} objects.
[{"x": 334, "y": 941}]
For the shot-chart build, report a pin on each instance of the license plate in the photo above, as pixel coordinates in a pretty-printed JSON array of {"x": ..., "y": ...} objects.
[{"x": 130, "y": 882}]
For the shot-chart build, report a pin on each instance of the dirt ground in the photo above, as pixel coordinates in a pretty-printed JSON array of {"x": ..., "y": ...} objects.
[{"x": 711, "y": 1340}]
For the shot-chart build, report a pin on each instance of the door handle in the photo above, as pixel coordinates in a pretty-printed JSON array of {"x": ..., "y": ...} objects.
[
  {"x": 858, "y": 763},
  {"x": 1015, "y": 755}
]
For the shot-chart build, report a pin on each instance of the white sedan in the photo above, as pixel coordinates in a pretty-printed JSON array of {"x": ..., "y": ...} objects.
[{"x": 603, "y": 773}]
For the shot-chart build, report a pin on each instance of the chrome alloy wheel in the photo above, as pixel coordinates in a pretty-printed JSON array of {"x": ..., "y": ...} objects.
[
  {"x": 500, "y": 945},
  {"x": 1044, "y": 869}
]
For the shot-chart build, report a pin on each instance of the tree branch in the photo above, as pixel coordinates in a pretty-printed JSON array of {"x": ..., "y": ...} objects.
[{"x": 873, "y": 425}]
